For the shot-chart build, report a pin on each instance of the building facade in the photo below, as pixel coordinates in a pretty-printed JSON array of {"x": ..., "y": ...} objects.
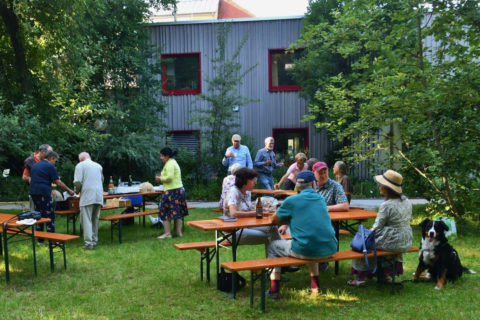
[{"x": 278, "y": 109}]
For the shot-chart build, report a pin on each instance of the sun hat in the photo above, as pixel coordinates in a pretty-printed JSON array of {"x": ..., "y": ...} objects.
[
  {"x": 390, "y": 179},
  {"x": 236, "y": 137},
  {"x": 319, "y": 166},
  {"x": 305, "y": 177}
]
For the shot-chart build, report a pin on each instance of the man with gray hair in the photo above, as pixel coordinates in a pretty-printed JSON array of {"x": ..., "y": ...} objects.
[
  {"x": 265, "y": 163},
  {"x": 88, "y": 181},
  {"x": 310, "y": 227},
  {"x": 237, "y": 153}
]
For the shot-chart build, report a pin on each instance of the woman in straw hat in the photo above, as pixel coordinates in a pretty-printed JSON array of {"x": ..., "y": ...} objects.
[{"x": 392, "y": 226}]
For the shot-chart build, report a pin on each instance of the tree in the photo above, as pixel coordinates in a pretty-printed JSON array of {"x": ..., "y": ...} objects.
[
  {"x": 411, "y": 91},
  {"x": 217, "y": 119},
  {"x": 84, "y": 74}
]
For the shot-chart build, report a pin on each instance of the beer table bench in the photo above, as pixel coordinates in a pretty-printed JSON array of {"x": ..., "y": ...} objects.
[{"x": 258, "y": 268}]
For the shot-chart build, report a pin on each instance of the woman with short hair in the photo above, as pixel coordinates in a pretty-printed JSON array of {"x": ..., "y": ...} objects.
[
  {"x": 290, "y": 178},
  {"x": 173, "y": 205},
  {"x": 228, "y": 182}
]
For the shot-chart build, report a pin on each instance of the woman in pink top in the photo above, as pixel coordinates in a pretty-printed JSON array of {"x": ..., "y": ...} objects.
[{"x": 290, "y": 178}]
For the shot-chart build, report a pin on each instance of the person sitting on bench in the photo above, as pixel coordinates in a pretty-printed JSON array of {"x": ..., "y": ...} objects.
[{"x": 310, "y": 227}]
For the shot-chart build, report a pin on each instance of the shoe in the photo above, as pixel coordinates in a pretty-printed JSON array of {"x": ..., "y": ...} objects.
[
  {"x": 322, "y": 267},
  {"x": 88, "y": 247},
  {"x": 272, "y": 295},
  {"x": 165, "y": 236},
  {"x": 356, "y": 283},
  {"x": 290, "y": 269}
]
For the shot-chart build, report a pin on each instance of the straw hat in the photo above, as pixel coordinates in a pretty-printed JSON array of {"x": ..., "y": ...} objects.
[{"x": 390, "y": 179}]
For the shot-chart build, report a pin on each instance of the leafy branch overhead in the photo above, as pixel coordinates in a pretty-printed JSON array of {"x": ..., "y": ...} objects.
[{"x": 401, "y": 85}]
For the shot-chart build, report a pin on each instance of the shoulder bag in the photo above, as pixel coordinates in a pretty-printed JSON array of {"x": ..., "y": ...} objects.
[{"x": 364, "y": 241}]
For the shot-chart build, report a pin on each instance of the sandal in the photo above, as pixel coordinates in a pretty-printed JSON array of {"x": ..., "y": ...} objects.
[{"x": 356, "y": 283}]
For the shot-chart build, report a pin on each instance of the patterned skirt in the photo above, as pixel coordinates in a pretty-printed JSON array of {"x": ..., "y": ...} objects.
[{"x": 173, "y": 205}]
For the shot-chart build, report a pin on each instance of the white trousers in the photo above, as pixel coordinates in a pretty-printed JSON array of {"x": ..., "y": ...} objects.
[{"x": 90, "y": 215}]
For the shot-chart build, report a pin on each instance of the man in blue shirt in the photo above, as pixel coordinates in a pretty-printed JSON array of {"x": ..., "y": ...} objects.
[
  {"x": 265, "y": 162},
  {"x": 310, "y": 227},
  {"x": 237, "y": 154}
]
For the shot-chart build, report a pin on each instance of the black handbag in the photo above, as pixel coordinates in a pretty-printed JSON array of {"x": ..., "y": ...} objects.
[
  {"x": 29, "y": 215},
  {"x": 224, "y": 281},
  {"x": 364, "y": 241}
]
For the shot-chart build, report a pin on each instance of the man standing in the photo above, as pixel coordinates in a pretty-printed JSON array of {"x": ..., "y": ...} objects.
[
  {"x": 265, "y": 162},
  {"x": 35, "y": 157},
  {"x": 237, "y": 154},
  {"x": 88, "y": 180},
  {"x": 310, "y": 227},
  {"x": 331, "y": 190}
]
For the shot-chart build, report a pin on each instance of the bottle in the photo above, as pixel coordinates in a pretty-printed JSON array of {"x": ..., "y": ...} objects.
[
  {"x": 110, "y": 185},
  {"x": 119, "y": 182},
  {"x": 258, "y": 209},
  {"x": 130, "y": 180}
]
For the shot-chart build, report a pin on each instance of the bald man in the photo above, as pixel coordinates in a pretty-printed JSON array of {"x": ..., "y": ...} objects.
[{"x": 88, "y": 180}]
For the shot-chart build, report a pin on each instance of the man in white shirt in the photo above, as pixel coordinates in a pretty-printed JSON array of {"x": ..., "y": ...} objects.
[{"x": 88, "y": 180}]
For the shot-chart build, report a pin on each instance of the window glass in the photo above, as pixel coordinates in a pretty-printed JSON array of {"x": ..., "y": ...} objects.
[
  {"x": 289, "y": 142},
  {"x": 181, "y": 73},
  {"x": 281, "y": 67}
]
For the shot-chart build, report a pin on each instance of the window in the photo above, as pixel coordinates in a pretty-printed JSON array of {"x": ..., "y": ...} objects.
[
  {"x": 181, "y": 74},
  {"x": 280, "y": 65},
  {"x": 189, "y": 139},
  {"x": 289, "y": 142}
]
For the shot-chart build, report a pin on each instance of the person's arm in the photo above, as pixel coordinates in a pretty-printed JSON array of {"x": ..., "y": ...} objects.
[
  {"x": 339, "y": 207},
  {"x": 62, "y": 185},
  {"x": 234, "y": 212},
  {"x": 249, "y": 159},
  {"x": 282, "y": 180},
  {"x": 259, "y": 162},
  {"x": 26, "y": 176},
  {"x": 225, "y": 160},
  {"x": 167, "y": 173}
]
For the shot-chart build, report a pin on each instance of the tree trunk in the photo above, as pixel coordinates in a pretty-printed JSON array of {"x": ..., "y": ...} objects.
[{"x": 13, "y": 28}]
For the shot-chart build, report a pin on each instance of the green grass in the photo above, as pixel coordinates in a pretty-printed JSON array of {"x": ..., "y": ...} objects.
[{"x": 146, "y": 278}]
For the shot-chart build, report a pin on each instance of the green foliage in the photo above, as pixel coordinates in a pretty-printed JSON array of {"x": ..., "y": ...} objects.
[
  {"x": 408, "y": 98},
  {"x": 80, "y": 75},
  {"x": 217, "y": 119}
]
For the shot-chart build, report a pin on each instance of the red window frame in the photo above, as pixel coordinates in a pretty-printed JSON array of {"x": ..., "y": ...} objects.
[
  {"x": 271, "y": 87},
  {"x": 175, "y": 92}
]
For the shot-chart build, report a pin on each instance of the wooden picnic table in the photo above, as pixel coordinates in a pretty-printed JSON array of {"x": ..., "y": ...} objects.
[
  {"x": 274, "y": 192},
  {"x": 229, "y": 229},
  {"x": 10, "y": 229}
]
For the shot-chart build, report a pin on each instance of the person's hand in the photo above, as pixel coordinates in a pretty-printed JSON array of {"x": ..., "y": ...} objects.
[
  {"x": 70, "y": 192},
  {"x": 158, "y": 178},
  {"x": 229, "y": 154},
  {"x": 268, "y": 162},
  {"x": 276, "y": 186},
  {"x": 283, "y": 229},
  {"x": 280, "y": 164}
]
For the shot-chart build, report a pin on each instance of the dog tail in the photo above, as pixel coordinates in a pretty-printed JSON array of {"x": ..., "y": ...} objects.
[{"x": 468, "y": 270}]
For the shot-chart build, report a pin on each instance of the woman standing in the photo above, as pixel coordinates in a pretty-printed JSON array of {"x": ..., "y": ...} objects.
[
  {"x": 43, "y": 174},
  {"x": 173, "y": 205},
  {"x": 392, "y": 226},
  {"x": 290, "y": 178}
]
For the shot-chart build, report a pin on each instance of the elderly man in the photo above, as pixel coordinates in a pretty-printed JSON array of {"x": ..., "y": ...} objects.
[
  {"x": 331, "y": 190},
  {"x": 88, "y": 180},
  {"x": 237, "y": 154},
  {"x": 265, "y": 162},
  {"x": 311, "y": 229}
]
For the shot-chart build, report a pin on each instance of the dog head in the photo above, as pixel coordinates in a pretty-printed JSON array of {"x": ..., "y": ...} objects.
[{"x": 433, "y": 230}]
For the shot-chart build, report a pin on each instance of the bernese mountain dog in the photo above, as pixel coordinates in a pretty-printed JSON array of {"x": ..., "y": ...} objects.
[{"x": 437, "y": 255}]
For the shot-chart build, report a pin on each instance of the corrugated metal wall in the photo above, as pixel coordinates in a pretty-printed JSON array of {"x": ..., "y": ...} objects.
[{"x": 273, "y": 109}]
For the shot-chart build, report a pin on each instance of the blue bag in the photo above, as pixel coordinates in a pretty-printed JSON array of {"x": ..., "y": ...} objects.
[{"x": 364, "y": 241}]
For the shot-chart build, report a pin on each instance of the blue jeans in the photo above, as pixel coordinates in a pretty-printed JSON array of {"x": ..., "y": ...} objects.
[{"x": 266, "y": 181}]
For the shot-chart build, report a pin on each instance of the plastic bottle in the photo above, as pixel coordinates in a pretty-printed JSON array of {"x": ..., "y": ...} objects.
[
  {"x": 130, "y": 180},
  {"x": 258, "y": 209}
]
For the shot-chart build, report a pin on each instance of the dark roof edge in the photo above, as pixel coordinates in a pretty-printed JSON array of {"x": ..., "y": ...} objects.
[{"x": 224, "y": 20}]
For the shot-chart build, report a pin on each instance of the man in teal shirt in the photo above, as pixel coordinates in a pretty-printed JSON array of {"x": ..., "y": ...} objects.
[{"x": 310, "y": 227}]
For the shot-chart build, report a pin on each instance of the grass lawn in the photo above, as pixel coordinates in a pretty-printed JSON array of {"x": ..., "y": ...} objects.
[{"x": 146, "y": 278}]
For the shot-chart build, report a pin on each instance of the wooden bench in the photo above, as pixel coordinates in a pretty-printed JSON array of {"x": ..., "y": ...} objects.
[
  {"x": 55, "y": 240},
  {"x": 206, "y": 252},
  {"x": 72, "y": 215},
  {"x": 261, "y": 266},
  {"x": 116, "y": 220}
]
